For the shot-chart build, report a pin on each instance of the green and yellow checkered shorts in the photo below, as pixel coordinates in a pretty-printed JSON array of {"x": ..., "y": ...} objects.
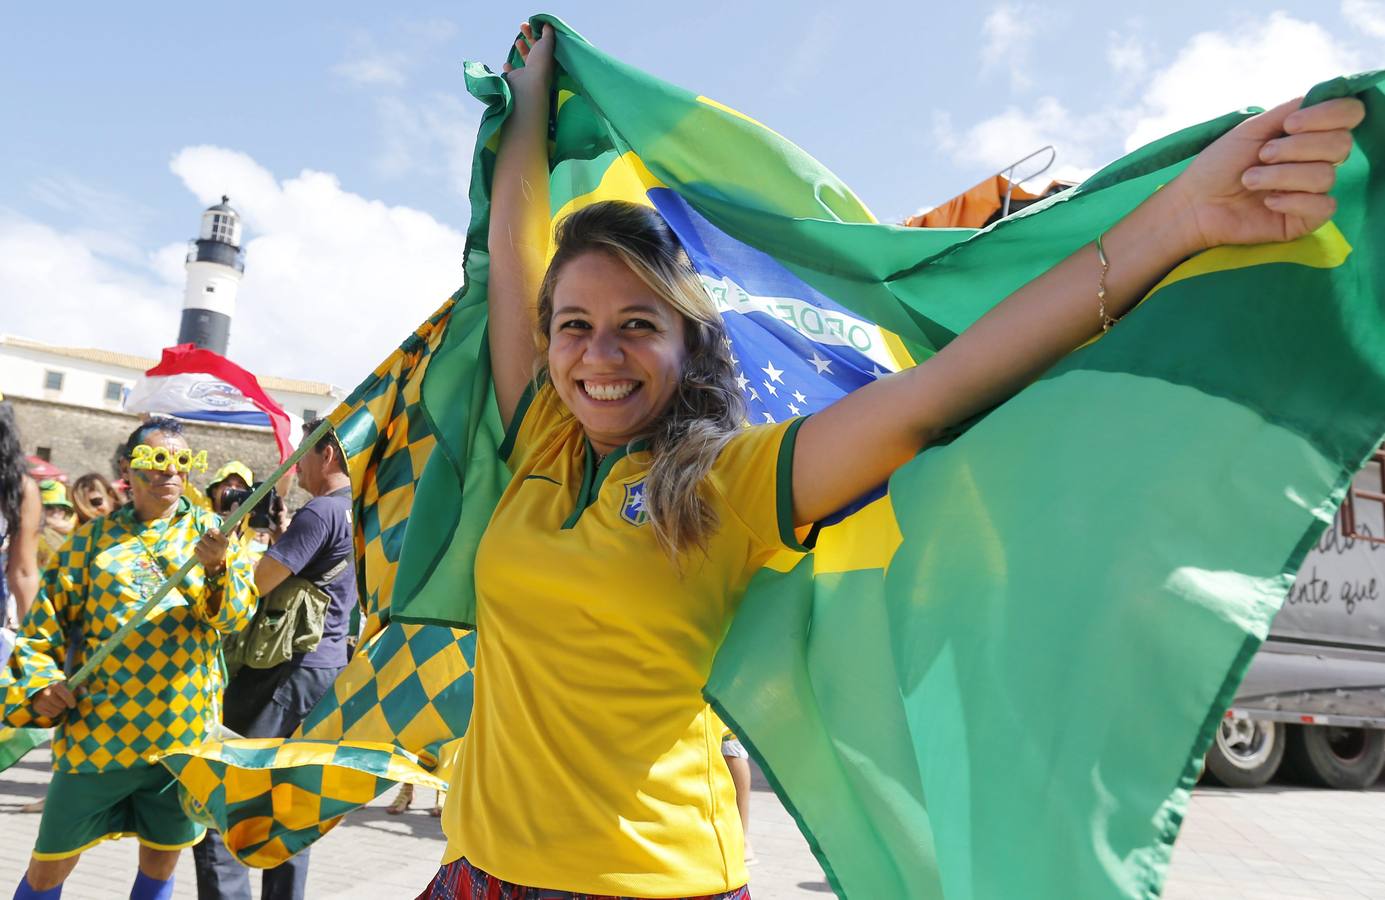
[{"x": 86, "y": 808}]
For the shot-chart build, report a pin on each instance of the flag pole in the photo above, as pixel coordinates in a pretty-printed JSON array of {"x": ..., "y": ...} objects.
[{"x": 228, "y": 525}]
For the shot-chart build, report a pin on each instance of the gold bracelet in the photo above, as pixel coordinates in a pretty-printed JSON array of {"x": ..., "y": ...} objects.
[{"x": 1106, "y": 320}]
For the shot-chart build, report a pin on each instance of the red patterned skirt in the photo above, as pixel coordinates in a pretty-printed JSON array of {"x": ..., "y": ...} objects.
[{"x": 461, "y": 880}]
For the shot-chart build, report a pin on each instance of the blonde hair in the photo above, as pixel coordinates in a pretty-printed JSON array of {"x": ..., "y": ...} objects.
[
  {"x": 85, "y": 511},
  {"x": 707, "y": 409}
]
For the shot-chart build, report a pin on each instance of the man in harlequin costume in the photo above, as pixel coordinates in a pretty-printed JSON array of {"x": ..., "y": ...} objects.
[{"x": 159, "y": 690}]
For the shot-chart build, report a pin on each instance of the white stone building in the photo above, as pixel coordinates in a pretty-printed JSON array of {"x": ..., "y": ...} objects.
[{"x": 98, "y": 379}]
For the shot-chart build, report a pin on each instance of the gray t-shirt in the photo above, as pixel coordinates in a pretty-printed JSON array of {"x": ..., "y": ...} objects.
[{"x": 319, "y": 537}]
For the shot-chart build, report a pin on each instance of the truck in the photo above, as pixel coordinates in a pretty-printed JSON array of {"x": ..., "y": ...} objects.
[{"x": 1312, "y": 704}]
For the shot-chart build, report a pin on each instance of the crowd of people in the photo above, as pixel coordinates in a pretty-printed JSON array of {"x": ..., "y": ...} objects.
[{"x": 79, "y": 560}]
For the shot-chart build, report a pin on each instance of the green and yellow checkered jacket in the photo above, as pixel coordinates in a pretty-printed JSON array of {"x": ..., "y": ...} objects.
[{"x": 160, "y": 690}]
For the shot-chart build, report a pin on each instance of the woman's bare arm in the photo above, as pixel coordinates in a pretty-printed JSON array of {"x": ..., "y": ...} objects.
[
  {"x": 1267, "y": 180},
  {"x": 519, "y": 222}
]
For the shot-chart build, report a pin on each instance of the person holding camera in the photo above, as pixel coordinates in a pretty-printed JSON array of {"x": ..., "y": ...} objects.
[
  {"x": 230, "y": 487},
  {"x": 293, "y": 649}
]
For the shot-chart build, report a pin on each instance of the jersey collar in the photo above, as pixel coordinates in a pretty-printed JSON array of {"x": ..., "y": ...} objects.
[{"x": 594, "y": 476}]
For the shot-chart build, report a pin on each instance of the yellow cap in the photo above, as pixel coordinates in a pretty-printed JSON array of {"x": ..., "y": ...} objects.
[
  {"x": 54, "y": 493},
  {"x": 234, "y": 467}
]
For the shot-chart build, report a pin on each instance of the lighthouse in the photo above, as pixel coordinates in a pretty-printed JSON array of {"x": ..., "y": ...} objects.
[{"x": 215, "y": 264}]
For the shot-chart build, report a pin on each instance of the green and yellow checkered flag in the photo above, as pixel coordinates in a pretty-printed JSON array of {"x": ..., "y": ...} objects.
[
  {"x": 405, "y": 694},
  {"x": 15, "y": 742}
]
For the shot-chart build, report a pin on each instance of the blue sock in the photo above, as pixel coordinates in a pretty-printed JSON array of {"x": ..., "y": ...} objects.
[
  {"x": 25, "y": 892},
  {"x": 147, "y": 888}
]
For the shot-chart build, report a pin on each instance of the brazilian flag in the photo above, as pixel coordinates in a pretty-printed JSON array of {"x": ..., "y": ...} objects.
[{"x": 997, "y": 677}]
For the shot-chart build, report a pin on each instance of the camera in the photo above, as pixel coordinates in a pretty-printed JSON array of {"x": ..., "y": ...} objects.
[{"x": 268, "y": 510}]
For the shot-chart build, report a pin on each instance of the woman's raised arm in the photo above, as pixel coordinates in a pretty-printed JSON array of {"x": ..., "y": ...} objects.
[
  {"x": 519, "y": 222},
  {"x": 1264, "y": 181}
]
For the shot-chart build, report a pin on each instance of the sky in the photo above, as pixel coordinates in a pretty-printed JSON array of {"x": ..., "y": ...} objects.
[{"x": 343, "y": 132}]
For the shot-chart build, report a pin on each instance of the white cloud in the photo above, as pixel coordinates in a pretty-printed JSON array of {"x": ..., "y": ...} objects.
[
  {"x": 1366, "y": 16},
  {"x": 333, "y": 281},
  {"x": 87, "y": 202},
  {"x": 1006, "y": 41},
  {"x": 803, "y": 60},
  {"x": 372, "y": 70},
  {"x": 1003, "y": 139},
  {"x": 369, "y": 65},
  {"x": 430, "y": 31},
  {"x": 1068, "y": 172},
  {"x": 430, "y": 134},
  {"x": 169, "y": 263},
  {"x": 65, "y": 288},
  {"x": 1216, "y": 73},
  {"x": 434, "y": 136},
  {"x": 1212, "y": 74},
  {"x": 1127, "y": 55}
]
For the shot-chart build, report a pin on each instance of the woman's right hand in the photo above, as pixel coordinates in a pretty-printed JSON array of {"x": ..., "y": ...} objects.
[{"x": 537, "y": 53}]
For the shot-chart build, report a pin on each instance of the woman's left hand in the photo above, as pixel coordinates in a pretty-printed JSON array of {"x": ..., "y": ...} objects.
[{"x": 1267, "y": 179}]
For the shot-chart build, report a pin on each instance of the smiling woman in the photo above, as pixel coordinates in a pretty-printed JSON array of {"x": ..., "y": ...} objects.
[
  {"x": 620, "y": 360},
  {"x": 592, "y": 763},
  {"x": 636, "y": 349}
]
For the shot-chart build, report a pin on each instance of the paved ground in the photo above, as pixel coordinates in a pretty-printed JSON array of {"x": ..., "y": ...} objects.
[{"x": 1278, "y": 842}]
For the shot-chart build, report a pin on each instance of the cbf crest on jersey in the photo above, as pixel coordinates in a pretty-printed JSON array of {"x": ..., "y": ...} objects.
[{"x": 632, "y": 509}]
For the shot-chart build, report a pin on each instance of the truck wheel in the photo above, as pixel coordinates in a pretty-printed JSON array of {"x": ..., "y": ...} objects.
[
  {"x": 1342, "y": 758},
  {"x": 1245, "y": 753}
]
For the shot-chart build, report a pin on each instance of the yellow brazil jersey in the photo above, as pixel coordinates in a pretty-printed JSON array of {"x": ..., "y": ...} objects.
[
  {"x": 160, "y": 690},
  {"x": 592, "y": 762}
]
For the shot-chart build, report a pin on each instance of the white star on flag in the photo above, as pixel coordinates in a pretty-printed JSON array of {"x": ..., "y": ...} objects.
[
  {"x": 822, "y": 365},
  {"x": 877, "y": 373},
  {"x": 754, "y": 395},
  {"x": 773, "y": 373},
  {"x": 793, "y": 410},
  {"x": 770, "y": 387},
  {"x": 799, "y": 397},
  {"x": 769, "y": 420},
  {"x": 741, "y": 380}
]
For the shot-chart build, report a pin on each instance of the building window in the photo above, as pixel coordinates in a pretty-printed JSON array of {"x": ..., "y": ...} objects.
[
  {"x": 52, "y": 381},
  {"x": 309, "y": 415},
  {"x": 114, "y": 390},
  {"x": 44, "y": 453}
]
